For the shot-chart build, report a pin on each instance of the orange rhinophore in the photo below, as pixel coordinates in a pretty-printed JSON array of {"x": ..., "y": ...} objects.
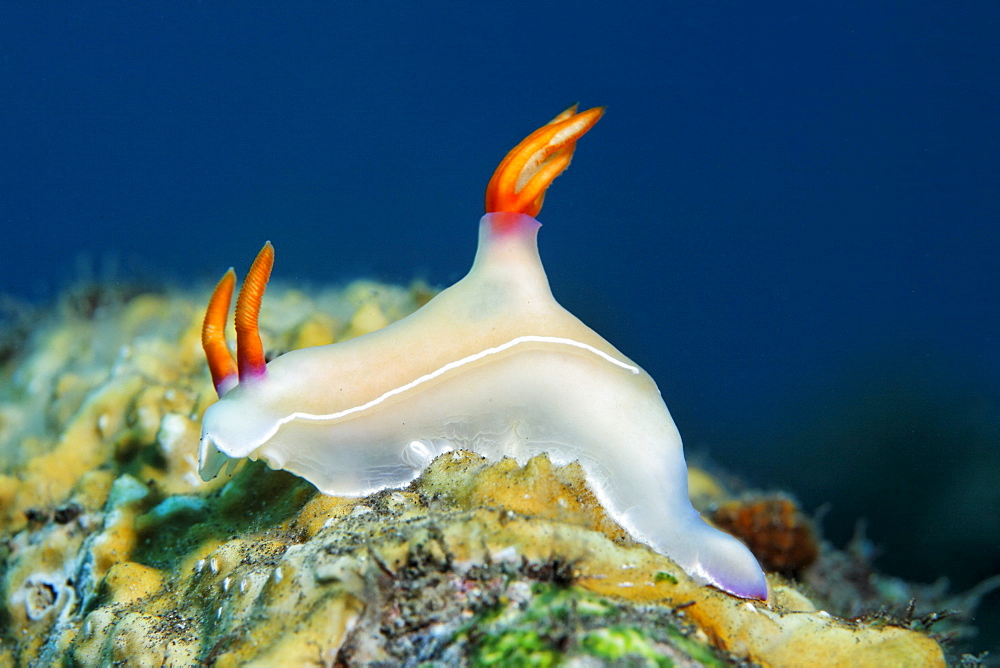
[
  {"x": 221, "y": 362},
  {"x": 249, "y": 362},
  {"x": 519, "y": 183},
  {"x": 249, "y": 349}
]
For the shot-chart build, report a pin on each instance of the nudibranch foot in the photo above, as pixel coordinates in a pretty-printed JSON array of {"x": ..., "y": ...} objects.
[{"x": 493, "y": 365}]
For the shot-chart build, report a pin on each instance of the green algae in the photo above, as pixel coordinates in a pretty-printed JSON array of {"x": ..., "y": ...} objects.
[
  {"x": 560, "y": 622},
  {"x": 524, "y": 647},
  {"x": 256, "y": 500},
  {"x": 618, "y": 643},
  {"x": 663, "y": 576}
]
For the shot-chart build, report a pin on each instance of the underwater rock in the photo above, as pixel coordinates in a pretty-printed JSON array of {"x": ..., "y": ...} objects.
[
  {"x": 114, "y": 550},
  {"x": 775, "y": 530}
]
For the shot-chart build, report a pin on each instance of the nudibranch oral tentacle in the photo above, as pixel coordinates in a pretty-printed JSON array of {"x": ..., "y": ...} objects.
[{"x": 492, "y": 364}]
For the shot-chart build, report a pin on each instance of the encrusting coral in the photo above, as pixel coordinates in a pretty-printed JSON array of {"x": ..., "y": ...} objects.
[{"x": 115, "y": 550}]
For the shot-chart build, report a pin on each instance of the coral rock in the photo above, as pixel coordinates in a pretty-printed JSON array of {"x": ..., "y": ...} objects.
[{"x": 117, "y": 552}]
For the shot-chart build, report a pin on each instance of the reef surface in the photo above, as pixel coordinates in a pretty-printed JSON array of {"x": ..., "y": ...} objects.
[{"x": 114, "y": 550}]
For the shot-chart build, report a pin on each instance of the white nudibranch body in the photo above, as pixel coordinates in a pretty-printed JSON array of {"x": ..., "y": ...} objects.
[{"x": 496, "y": 366}]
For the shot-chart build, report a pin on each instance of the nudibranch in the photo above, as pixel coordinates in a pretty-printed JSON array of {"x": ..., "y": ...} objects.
[{"x": 492, "y": 364}]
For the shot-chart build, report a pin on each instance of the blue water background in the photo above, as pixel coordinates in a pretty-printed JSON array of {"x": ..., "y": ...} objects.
[{"x": 788, "y": 215}]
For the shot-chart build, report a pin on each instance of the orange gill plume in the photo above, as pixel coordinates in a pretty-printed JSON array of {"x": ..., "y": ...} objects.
[{"x": 519, "y": 183}]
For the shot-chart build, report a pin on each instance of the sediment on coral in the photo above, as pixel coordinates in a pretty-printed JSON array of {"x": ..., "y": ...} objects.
[{"x": 114, "y": 550}]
